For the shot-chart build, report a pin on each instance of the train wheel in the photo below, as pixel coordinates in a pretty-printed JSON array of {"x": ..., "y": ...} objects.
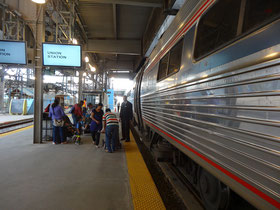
[
  {"x": 214, "y": 193},
  {"x": 191, "y": 170}
]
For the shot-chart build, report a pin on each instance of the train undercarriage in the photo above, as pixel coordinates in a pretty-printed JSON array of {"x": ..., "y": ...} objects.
[{"x": 211, "y": 192}]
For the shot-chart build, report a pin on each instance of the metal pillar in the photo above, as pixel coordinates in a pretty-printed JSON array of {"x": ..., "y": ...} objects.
[
  {"x": 80, "y": 91},
  {"x": 2, "y": 86},
  {"x": 105, "y": 81},
  {"x": 21, "y": 87},
  {"x": 38, "y": 90}
]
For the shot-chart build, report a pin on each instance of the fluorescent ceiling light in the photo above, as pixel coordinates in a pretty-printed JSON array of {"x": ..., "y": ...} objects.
[
  {"x": 272, "y": 54},
  {"x": 86, "y": 59},
  {"x": 39, "y": 1},
  {"x": 121, "y": 72}
]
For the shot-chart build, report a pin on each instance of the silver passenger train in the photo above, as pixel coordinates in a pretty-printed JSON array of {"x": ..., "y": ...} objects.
[{"x": 211, "y": 90}]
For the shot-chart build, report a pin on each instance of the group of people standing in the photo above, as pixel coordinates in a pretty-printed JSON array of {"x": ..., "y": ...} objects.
[{"x": 99, "y": 122}]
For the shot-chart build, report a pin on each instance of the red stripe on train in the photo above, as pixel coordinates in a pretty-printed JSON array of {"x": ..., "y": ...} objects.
[
  {"x": 182, "y": 31},
  {"x": 242, "y": 182}
]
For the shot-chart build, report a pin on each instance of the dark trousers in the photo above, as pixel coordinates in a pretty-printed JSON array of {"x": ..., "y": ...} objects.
[
  {"x": 74, "y": 120},
  {"x": 125, "y": 129},
  {"x": 58, "y": 131},
  {"x": 95, "y": 137},
  {"x": 111, "y": 135}
]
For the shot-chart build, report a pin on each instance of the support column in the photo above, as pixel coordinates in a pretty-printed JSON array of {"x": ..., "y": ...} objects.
[
  {"x": 105, "y": 81},
  {"x": 38, "y": 90},
  {"x": 2, "y": 90},
  {"x": 80, "y": 91}
]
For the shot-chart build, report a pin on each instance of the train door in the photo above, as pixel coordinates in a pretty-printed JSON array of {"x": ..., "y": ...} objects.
[{"x": 137, "y": 98}]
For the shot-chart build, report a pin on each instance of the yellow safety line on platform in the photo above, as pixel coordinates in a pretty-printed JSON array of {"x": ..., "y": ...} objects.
[
  {"x": 143, "y": 189},
  {"x": 15, "y": 131}
]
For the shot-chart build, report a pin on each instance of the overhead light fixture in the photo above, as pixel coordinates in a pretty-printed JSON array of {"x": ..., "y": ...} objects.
[
  {"x": 74, "y": 41},
  {"x": 122, "y": 72},
  {"x": 272, "y": 55},
  {"x": 92, "y": 68},
  {"x": 39, "y": 1},
  {"x": 86, "y": 59}
]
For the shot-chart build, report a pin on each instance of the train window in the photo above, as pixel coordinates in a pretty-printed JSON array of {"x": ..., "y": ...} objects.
[
  {"x": 163, "y": 65},
  {"x": 217, "y": 27},
  {"x": 259, "y": 12},
  {"x": 175, "y": 58}
]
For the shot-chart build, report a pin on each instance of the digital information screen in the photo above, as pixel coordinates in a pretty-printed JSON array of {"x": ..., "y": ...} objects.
[
  {"x": 12, "y": 52},
  {"x": 64, "y": 55}
]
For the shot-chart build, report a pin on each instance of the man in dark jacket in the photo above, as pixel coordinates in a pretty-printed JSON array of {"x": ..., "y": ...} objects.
[{"x": 126, "y": 117}]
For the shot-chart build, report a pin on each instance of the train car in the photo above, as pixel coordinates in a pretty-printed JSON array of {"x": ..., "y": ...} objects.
[{"x": 211, "y": 91}]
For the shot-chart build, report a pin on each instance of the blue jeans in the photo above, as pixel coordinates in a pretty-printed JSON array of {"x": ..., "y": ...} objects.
[
  {"x": 74, "y": 119},
  {"x": 111, "y": 135},
  {"x": 58, "y": 131}
]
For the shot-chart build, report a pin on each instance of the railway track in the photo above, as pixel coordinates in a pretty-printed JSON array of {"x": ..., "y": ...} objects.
[
  {"x": 14, "y": 125},
  {"x": 180, "y": 184},
  {"x": 183, "y": 188},
  {"x": 169, "y": 180}
]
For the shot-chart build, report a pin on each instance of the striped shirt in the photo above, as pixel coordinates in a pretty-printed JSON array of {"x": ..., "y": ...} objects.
[{"x": 110, "y": 118}]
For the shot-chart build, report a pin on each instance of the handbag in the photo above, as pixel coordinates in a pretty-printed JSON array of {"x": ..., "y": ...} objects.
[{"x": 58, "y": 123}]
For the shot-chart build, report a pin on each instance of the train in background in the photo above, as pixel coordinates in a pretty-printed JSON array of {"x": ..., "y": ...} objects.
[{"x": 209, "y": 99}]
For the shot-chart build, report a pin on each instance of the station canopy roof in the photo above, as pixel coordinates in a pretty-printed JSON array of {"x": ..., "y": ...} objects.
[{"x": 115, "y": 30}]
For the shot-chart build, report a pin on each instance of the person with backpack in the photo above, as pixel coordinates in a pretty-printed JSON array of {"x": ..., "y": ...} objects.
[{"x": 57, "y": 115}]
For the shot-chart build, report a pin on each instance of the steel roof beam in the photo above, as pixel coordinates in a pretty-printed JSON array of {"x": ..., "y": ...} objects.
[
  {"x": 141, "y": 3},
  {"x": 125, "y": 47},
  {"x": 122, "y": 75},
  {"x": 119, "y": 65},
  {"x": 115, "y": 20}
]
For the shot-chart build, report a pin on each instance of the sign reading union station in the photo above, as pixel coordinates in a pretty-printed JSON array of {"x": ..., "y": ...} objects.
[{"x": 64, "y": 55}]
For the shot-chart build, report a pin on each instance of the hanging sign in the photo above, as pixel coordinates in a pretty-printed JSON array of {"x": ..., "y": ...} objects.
[
  {"x": 64, "y": 55},
  {"x": 12, "y": 52}
]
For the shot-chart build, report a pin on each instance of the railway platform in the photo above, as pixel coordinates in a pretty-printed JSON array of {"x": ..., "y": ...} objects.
[
  {"x": 6, "y": 118},
  {"x": 73, "y": 176},
  {"x": 13, "y": 122}
]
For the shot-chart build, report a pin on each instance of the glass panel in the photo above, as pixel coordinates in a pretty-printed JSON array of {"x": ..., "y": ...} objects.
[
  {"x": 175, "y": 58},
  {"x": 217, "y": 27},
  {"x": 162, "y": 71},
  {"x": 260, "y": 12}
]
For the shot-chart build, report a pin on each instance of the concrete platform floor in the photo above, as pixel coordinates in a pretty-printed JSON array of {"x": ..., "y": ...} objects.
[
  {"x": 10, "y": 118},
  {"x": 61, "y": 177}
]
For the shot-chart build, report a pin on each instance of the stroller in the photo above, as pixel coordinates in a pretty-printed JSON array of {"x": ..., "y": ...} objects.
[{"x": 69, "y": 131}]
